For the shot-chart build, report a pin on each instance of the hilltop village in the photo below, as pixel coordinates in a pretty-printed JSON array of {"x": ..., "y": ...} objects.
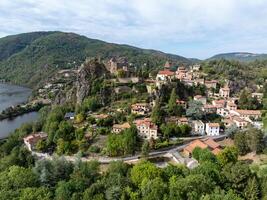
[
  {"x": 109, "y": 130},
  {"x": 128, "y": 112}
]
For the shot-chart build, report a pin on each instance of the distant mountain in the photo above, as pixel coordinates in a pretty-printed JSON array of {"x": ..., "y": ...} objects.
[
  {"x": 29, "y": 58},
  {"x": 240, "y": 56}
]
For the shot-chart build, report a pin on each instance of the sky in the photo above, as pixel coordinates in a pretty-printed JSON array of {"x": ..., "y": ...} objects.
[{"x": 190, "y": 28}]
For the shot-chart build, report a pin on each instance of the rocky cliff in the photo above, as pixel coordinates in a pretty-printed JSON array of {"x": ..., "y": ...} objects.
[
  {"x": 87, "y": 73},
  {"x": 80, "y": 87}
]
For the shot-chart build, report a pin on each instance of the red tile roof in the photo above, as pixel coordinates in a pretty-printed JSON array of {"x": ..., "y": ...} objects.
[{"x": 166, "y": 72}]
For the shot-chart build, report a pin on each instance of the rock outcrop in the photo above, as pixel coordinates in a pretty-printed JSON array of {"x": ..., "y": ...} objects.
[{"x": 87, "y": 73}]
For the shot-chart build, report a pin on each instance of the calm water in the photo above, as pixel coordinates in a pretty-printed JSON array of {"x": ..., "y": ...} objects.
[{"x": 13, "y": 95}]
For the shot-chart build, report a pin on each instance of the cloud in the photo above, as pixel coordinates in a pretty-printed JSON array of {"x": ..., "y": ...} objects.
[{"x": 193, "y": 28}]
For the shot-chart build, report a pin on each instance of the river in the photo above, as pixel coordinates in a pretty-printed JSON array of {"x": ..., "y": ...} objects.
[{"x": 12, "y": 95}]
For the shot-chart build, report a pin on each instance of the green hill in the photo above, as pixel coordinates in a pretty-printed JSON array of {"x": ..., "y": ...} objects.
[
  {"x": 30, "y": 58},
  {"x": 240, "y": 56}
]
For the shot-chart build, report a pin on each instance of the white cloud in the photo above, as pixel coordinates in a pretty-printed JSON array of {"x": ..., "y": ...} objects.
[{"x": 194, "y": 28}]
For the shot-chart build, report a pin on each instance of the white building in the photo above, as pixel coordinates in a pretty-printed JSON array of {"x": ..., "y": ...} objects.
[
  {"x": 146, "y": 128},
  {"x": 165, "y": 75},
  {"x": 213, "y": 129},
  {"x": 198, "y": 127}
]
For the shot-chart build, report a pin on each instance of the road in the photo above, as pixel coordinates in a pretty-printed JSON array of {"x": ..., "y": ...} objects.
[{"x": 106, "y": 159}]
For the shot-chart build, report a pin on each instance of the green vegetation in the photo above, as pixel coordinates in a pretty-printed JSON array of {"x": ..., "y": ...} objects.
[
  {"x": 239, "y": 74},
  {"x": 32, "y": 57},
  {"x": 221, "y": 177},
  {"x": 250, "y": 140}
]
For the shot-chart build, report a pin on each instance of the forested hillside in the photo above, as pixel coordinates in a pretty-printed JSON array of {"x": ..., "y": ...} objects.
[
  {"x": 31, "y": 57},
  {"x": 240, "y": 56}
]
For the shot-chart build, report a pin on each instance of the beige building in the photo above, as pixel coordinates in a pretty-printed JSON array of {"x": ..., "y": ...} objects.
[
  {"x": 247, "y": 114},
  {"x": 224, "y": 92},
  {"x": 117, "y": 128},
  {"x": 200, "y": 98},
  {"x": 211, "y": 84},
  {"x": 198, "y": 127},
  {"x": 140, "y": 108}
]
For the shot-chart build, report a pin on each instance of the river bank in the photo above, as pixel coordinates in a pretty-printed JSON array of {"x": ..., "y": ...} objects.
[{"x": 14, "y": 111}]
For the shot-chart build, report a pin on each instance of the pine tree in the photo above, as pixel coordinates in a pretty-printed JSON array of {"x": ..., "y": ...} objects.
[
  {"x": 157, "y": 114},
  {"x": 252, "y": 191},
  {"x": 172, "y": 101}
]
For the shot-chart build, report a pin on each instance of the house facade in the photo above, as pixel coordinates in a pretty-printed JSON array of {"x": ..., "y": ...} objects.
[
  {"x": 198, "y": 127},
  {"x": 140, "y": 108},
  {"x": 146, "y": 128},
  {"x": 31, "y": 140},
  {"x": 224, "y": 92},
  {"x": 213, "y": 129},
  {"x": 247, "y": 114},
  {"x": 117, "y": 128}
]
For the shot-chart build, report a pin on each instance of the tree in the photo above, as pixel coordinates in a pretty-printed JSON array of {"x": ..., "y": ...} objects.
[
  {"x": 241, "y": 143},
  {"x": 236, "y": 176},
  {"x": 40, "y": 193},
  {"x": 228, "y": 155},
  {"x": 79, "y": 118},
  {"x": 173, "y": 108},
  {"x": 52, "y": 171},
  {"x": 246, "y": 101},
  {"x": 153, "y": 189},
  {"x": 222, "y": 195},
  {"x": 249, "y": 140},
  {"x": 195, "y": 110},
  {"x": 17, "y": 178},
  {"x": 85, "y": 174},
  {"x": 190, "y": 187},
  {"x": 210, "y": 170},
  {"x": 175, "y": 170},
  {"x": 64, "y": 190},
  {"x": 203, "y": 155},
  {"x": 157, "y": 113},
  {"x": 145, "y": 149},
  {"x": 230, "y": 131},
  {"x": 91, "y": 104},
  {"x": 65, "y": 131},
  {"x": 129, "y": 140},
  {"x": 255, "y": 140},
  {"x": 144, "y": 170},
  {"x": 252, "y": 189}
]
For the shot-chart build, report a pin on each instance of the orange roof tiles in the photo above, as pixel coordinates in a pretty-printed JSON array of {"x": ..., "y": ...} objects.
[
  {"x": 166, "y": 72},
  {"x": 208, "y": 143},
  {"x": 213, "y": 124},
  {"x": 122, "y": 126},
  {"x": 249, "y": 112}
]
